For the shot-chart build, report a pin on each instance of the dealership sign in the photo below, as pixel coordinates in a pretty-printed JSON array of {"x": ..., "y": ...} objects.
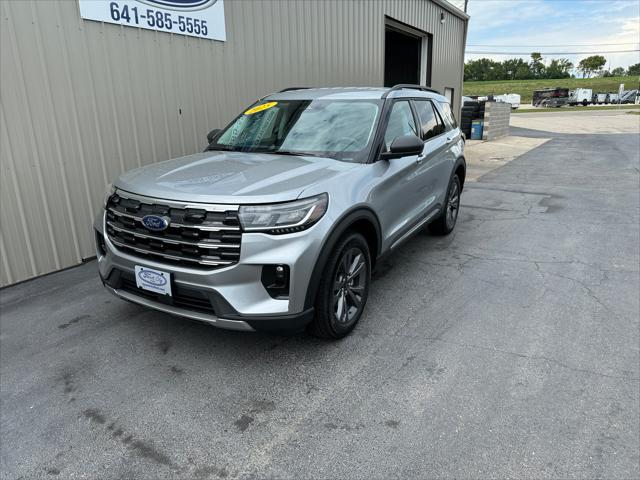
[{"x": 196, "y": 18}]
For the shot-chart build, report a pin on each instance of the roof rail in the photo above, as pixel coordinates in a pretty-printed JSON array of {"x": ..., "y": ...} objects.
[
  {"x": 402, "y": 86},
  {"x": 283, "y": 90},
  {"x": 293, "y": 88}
]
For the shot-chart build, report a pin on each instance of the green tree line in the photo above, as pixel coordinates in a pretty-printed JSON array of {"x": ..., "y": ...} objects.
[{"x": 485, "y": 69}]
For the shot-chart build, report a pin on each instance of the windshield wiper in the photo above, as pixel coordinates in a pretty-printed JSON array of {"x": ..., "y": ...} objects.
[
  {"x": 222, "y": 148},
  {"x": 296, "y": 154},
  {"x": 228, "y": 148}
]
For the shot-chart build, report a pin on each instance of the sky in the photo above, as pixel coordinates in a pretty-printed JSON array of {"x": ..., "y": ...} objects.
[{"x": 557, "y": 23}]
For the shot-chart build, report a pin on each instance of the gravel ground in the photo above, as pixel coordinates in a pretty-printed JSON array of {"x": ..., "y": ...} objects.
[{"x": 508, "y": 349}]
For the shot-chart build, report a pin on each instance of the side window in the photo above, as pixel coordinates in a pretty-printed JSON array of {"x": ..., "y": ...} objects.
[
  {"x": 449, "y": 119},
  {"x": 430, "y": 122},
  {"x": 401, "y": 123}
]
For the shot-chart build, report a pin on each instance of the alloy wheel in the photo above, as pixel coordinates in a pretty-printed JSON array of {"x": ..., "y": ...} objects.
[
  {"x": 349, "y": 286},
  {"x": 453, "y": 204}
]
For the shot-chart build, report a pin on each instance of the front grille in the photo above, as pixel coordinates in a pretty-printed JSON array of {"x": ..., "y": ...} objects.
[{"x": 195, "y": 237}]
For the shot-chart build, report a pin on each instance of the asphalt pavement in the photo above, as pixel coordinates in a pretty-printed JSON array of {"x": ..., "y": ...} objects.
[{"x": 507, "y": 349}]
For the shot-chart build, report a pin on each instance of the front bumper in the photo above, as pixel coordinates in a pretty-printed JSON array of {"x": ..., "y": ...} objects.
[
  {"x": 282, "y": 323},
  {"x": 237, "y": 296}
]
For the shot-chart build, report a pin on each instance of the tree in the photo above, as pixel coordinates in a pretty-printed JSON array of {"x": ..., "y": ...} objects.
[
  {"x": 617, "y": 72},
  {"x": 634, "y": 70},
  {"x": 536, "y": 65},
  {"x": 483, "y": 69},
  {"x": 516, "y": 69},
  {"x": 523, "y": 72},
  {"x": 590, "y": 65},
  {"x": 559, "y": 68}
]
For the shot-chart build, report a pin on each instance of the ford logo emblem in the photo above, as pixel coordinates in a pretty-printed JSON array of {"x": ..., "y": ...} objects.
[
  {"x": 155, "y": 223},
  {"x": 187, "y": 5},
  {"x": 152, "y": 278}
]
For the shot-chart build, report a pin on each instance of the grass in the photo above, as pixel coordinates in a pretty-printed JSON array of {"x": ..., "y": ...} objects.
[
  {"x": 579, "y": 109},
  {"x": 526, "y": 87}
]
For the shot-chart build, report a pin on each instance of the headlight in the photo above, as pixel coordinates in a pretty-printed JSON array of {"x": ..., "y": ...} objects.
[
  {"x": 110, "y": 191},
  {"x": 280, "y": 218}
]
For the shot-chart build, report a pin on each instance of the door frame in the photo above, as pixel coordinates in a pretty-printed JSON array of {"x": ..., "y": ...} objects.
[{"x": 424, "y": 73}]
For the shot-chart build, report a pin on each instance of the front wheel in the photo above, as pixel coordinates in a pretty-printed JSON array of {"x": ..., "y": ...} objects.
[
  {"x": 344, "y": 288},
  {"x": 446, "y": 222}
]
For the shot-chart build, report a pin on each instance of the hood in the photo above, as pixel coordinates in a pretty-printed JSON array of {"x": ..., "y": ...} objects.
[{"x": 231, "y": 177}]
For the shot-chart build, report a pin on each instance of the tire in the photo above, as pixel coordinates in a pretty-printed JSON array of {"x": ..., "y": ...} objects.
[
  {"x": 445, "y": 223},
  {"x": 584, "y": 103},
  {"x": 331, "y": 319}
]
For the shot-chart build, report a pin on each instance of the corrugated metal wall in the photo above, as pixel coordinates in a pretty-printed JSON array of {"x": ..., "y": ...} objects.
[{"x": 82, "y": 101}]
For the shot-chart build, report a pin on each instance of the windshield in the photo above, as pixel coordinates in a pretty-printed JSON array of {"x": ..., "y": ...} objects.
[{"x": 340, "y": 129}]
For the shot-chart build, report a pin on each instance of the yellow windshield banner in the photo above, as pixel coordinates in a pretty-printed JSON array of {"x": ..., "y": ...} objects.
[{"x": 260, "y": 108}]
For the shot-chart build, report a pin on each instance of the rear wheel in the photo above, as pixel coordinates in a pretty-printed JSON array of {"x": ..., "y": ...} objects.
[
  {"x": 344, "y": 288},
  {"x": 446, "y": 222}
]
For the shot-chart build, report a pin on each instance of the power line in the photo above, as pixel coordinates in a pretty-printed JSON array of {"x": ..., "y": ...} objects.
[
  {"x": 551, "y": 46},
  {"x": 551, "y": 53}
]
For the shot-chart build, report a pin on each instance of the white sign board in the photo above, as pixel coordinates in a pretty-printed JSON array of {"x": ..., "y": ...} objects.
[
  {"x": 196, "y": 18},
  {"x": 621, "y": 89}
]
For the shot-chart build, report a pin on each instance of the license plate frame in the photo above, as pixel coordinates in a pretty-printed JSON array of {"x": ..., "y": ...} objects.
[{"x": 152, "y": 280}]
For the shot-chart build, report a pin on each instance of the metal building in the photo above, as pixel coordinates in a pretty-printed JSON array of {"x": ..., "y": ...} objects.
[{"x": 82, "y": 100}]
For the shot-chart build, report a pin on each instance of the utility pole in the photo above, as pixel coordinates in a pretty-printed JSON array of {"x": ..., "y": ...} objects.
[{"x": 466, "y": 2}]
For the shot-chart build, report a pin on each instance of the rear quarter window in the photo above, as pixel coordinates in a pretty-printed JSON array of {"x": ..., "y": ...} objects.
[{"x": 447, "y": 114}]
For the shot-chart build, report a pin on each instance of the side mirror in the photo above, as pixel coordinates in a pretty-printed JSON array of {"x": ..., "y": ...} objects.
[
  {"x": 212, "y": 134},
  {"x": 404, "y": 146}
]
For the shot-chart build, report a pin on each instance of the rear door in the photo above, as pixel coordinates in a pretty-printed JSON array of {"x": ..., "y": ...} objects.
[
  {"x": 434, "y": 163},
  {"x": 397, "y": 194},
  {"x": 453, "y": 135}
]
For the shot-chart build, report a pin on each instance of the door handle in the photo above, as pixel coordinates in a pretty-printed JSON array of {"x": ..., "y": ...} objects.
[{"x": 449, "y": 139}]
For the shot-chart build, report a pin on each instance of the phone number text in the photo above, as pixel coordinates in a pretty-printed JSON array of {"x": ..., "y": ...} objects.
[{"x": 157, "y": 19}]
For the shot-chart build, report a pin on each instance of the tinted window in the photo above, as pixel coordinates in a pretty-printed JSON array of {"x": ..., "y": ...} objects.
[
  {"x": 400, "y": 123},
  {"x": 430, "y": 122},
  {"x": 449, "y": 119}
]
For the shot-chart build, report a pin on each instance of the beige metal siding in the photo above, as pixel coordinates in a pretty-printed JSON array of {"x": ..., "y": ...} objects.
[{"x": 81, "y": 101}]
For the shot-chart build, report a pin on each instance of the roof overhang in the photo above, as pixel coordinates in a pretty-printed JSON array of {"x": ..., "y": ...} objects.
[{"x": 451, "y": 9}]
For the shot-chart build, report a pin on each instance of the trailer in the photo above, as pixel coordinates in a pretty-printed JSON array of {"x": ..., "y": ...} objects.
[
  {"x": 550, "y": 97},
  {"x": 512, "y": 98},
  {"x": 629, "y": 96},
  {"x": 600, "y": 98},
  {"x": 581, "y": 96}
]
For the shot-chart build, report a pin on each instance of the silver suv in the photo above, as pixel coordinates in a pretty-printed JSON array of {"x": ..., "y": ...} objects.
[{"x": 278, "y": 224}]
